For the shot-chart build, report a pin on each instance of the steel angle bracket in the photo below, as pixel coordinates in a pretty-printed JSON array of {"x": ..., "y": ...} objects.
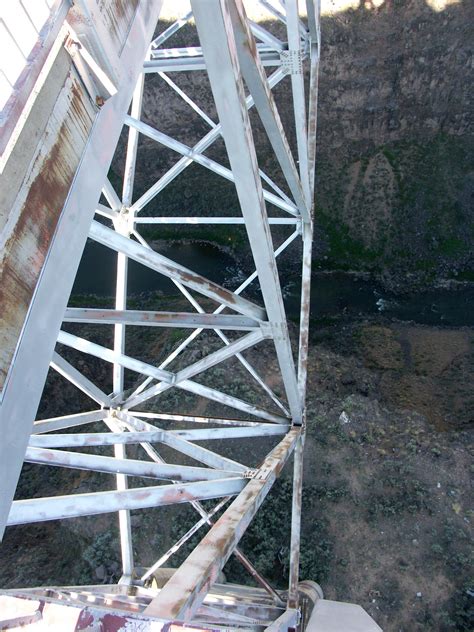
[{"x": 292, "y": 62}]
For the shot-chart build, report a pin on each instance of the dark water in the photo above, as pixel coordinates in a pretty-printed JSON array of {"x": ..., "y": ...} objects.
[{"x": 332, "y": 294}]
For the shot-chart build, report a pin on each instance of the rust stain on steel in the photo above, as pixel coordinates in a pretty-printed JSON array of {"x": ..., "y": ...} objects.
[
  {"x": 118, "y": 16},
  {"x": 26, "y": 248}
]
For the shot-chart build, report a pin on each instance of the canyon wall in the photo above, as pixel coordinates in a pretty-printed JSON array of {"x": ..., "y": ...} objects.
[{"x": 395, "y": 169}]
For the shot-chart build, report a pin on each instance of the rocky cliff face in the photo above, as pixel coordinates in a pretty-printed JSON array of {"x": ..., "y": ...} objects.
[
  {"x": 395, "y": 145},
  {"x": 395, "y": 171}
]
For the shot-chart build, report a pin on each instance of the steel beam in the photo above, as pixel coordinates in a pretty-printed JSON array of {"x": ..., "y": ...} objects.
[
  {"x": 185, "y": 591},
  {"x": 214, "y": 28},
  {"x": 298, "y": 89},
  {"x": 257, "y": 83},
  {"x": 195, "y": 419},
  {"x": 296, "y": 500},
  {"x": 183, "y": 320},
  {"x": 68, "y": 421},
  {"x": 197, "y": 62},
  {"x": 91, "y": 439},
  {"x": 60, "y": 507},
  {"x": 130, "y": 467},
  {"x": 188, "y": 278},
  {"x": 240, "y": 221},
  {"x": 62, "y": 366}
]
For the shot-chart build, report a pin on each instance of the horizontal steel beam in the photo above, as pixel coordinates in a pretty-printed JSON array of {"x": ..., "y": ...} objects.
[
  {"x": 196, "y": 419},
  {"x": 59, "y": 507},
  {"x": 191, "y": 52},
  {"x": 185, "y": 64},
  {"x": 210, "y": 434},
  {"x": 112, "y": 465},
  {"x": 175, "y": 271},
  {"x": 91, "y": 439},
  {"x": 68, "y": 421},
  {"x": 276, "y": 221},
  {"x": 160, "y": 319}
]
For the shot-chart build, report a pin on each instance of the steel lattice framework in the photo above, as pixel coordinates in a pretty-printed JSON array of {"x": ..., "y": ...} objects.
[{"x": 244, "y": 62}]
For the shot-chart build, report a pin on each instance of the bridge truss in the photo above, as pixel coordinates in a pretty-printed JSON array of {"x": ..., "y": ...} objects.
[{"x": 244, "y": 62}]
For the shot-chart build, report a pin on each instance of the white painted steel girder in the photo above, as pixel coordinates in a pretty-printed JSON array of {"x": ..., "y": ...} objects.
[
  {"x": 213, "y": 23},
  {"x": 34, "y": 349},
  {"x": 229, "y": 53},
  {"x": 59, "y": 507}
]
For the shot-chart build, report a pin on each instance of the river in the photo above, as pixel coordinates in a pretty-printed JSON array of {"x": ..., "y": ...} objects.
[{"x": 331, "y": 294}]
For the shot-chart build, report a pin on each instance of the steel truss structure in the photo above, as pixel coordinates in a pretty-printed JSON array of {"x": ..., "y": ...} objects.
[{"x": 244, "y": 62}]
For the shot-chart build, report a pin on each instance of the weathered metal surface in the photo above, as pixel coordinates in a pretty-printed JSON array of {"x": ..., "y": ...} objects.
[
  {"x": 228, "y": 421},
  {"x": 111, "y": 465},
  {"x": 185, "y": 591},
  {"x": 169, "y": 268},
  {"x": 45, "y": 311},
  {"x": 256, "y": 80},
  {"x": 160, "y": 319},
  {"x": 28, "y": 85},
  {"x": 104, "y": 26},
  {"x": 32, "y": 221},
  {"x": 296, "y": 502},
  {"x": 60, "y": 507},
  {"x": 58, "y": 616},
  {"x": 217, "y": 40}
]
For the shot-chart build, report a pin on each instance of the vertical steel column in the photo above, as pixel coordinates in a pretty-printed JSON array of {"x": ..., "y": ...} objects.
[
  {"x": 313, "y": 20},
  {"x": 296, "y": 523},
  {"x": 297, "y": 86},
  {"x": 122, "y": 226},
  {"x": 215, "y": 31},
  {"x": 120, "y": 449}
]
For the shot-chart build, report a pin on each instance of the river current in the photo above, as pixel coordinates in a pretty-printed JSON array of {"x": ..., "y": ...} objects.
[{"x": 332, "y": 294}]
